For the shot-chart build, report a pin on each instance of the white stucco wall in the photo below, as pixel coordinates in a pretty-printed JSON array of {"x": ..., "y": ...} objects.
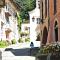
[
  {"x": 33, "y": 25},
  {"x": 12, "y": 26},
  {"x": 24, "y": 25}
]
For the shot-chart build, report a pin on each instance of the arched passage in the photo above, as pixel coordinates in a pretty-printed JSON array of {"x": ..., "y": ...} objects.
[
  {"x": 56, "y": 31},
  {"x": 45, "y": 34}
]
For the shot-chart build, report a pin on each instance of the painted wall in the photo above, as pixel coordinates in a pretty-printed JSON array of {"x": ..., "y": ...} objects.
[
  {"x": 34, "y": 14},
  {"x": 8, "y": 28}
]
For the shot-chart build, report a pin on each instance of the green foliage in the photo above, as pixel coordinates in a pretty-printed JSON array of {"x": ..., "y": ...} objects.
[
  {"x": 8, "y": 42},
  {"x": 3, "y": 44},
  {"x": 19, "y": 20},
  {"x": 50, "y": 48},
  {"x": 25, "y": 5},
  {"x": 25, "y": 21},
  {"x": 24, "y": 33},
  {"x": 13, "y": 41},
  {"x": 27, "y": 40},
  {"x": 20, "y": 40}
]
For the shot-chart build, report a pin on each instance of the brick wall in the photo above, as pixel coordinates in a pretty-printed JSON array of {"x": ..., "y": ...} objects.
[{"x": 53, "y": 18}]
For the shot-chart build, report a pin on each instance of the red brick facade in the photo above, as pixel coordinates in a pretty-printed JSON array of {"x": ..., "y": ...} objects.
[{"x": 53, "y": 16}]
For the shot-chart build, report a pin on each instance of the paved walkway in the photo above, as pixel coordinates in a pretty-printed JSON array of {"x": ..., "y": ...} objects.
[
  {"x": 10, "y": 56},
  {"x": 17, "y": 52}
]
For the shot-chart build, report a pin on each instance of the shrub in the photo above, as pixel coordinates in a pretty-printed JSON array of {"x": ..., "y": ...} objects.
[
  {"x": 20, "y": 40},
  {"x": 8, "y": 42},
  {"x": 49, "y": 52},
  {"x": 13, "y": 41},
  {"x": 24, "y": 33},
  {"x": 50, "y": 48},
  {"x": 3, "y": 44},
  {"x": 27, "y": 40}
]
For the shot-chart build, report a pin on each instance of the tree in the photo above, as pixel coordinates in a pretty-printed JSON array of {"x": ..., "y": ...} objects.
[{"x": 25, "y": 5}]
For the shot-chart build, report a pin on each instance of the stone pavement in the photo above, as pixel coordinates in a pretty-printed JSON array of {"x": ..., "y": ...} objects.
[
  {"x": 17, "y": 52},
  {"x": 9, "y": 55}
]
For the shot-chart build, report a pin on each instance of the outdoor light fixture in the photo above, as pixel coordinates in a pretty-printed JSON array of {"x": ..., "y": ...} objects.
[{"x": 33, "y": 19}]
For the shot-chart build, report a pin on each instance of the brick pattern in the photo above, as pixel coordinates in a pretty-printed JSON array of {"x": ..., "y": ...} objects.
[{"x": 53, "y": 18}]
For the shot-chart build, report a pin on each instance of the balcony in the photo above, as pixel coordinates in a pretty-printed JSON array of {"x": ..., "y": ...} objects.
[
  {"x": 8, "y": 27},
  {"x": 8, "y": 12}
]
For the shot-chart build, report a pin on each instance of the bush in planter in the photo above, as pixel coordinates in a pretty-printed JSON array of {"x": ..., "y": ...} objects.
[
  {"x": 20, "y": 40},
  {"x": 3, "y": 44},
  {"x": 51, "y": 50},
  {"x": 8, "y": 42},
  {"x": 24, "y": 33},
  {"x": 13, "y": 41},
  {"x": 27, "y": 39}
]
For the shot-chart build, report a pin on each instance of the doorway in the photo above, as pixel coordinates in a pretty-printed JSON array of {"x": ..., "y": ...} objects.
[
  {"x": 45, "y": 34},
  {"x": 56, "y": 31}
]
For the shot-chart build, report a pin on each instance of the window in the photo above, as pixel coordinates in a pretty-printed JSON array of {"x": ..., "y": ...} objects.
[
  {"x": 38, "y": 20},
  {"x": 39, "y": 4},
  {"x": 54, "y": 6},
  {"x": 6, "y": 6},
  {"x": 48, "y": 7},
  {"x": 42, "y": 10},
  {"x": 56, "y": 31},
  {"x": 15, "y": 14},
  {"x": 41, "y": 32},
  {"x": 45, "y": 8},
  {"x": 7, "y": 20},
  {"x": 2, "y": 24},
  {"x": 33, "y": 19},
  {"x": 26, "y": 28},
  {"x": 48, "y": 23}
]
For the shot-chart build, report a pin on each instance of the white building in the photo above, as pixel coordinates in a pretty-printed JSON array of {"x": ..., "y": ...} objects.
[
  {"x": 8, "y": 21},
  {"x": 25, "y": 27},
  {"x": 34, "y": 21}
]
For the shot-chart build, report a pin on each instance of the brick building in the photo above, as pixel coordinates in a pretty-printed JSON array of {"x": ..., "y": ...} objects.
[{"x": 50, "y": 19}]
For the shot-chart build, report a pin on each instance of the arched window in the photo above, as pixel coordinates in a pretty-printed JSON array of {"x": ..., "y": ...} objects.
[
  {"x": 55, "y": 7},
  {"x": 45, "y": 8},
  {"x": 56, "y": 31}
]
